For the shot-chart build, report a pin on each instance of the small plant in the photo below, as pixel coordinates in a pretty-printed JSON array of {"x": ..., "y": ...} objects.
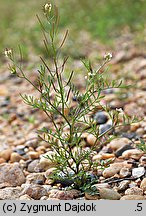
[
  {"x": 142, "y": 145},
  {"x": 73, "y": 162}
]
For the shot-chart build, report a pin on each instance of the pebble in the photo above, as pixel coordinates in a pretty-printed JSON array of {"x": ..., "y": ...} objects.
[
  {"x": 132, "y": 109},
  {"x": 133, "y": 197},
  {"x": 91, "y": 139},
  {"x": 113, "y": 169},
  {"x": 134, "y": 126},
  {"x": 118, "y": 143},
  {"x": 120, "y": 151},
  {"x": 47, "y": 187},
  {"x": 64, "y": 195},
  {"x": 45, "y": 163},
  {"x": 124, "y": 172},
  {"x": 91, "y": 197},
  {"x": 32, "y": 142},
  {"x": 105, "y": 128},
  {"x": 123, "y": 185},
  {"x": 110, "y": 194},
  {"x": 15, "y": 157},
  {"x": 4, "y": 91},
  {"x": 25, "y": 197},
  {"x": 5, "y": 154},
  {"x": 24, "y": 164},
  {"x": 41, "y": 149},
  {"x": 143, "y": 185},
  {"x": 34, "y": 191},
  {"x": 2, "y": 160},
  {"x": 143, "y": 160},
  {"x": 33, "y": 166},
  {"x": 130, "y": 136},
  {"x": 132, "y": 153},
  {"x": 138, "y": 172},
  {"x": 35, "y": 178},
  {"x": 103, "y": 156},
  {"x": 133, "y": 184},
  {"x": 33, "y": 154},
  {"x": 44, "y": 198},
  {"x": 19, "y": 142},
  {"x": 19, "y": 147},
  {"x": 102, "y": 185},
  {"x": 140, "y": 131},
  {"x": 134, "y": 191},
  {"x": 20, "y": 151},
  {"x": 10, "y": 193},
  {"x": 49, "y": 172},
  {"x": 101, "y": 117},
  {"x": 11, "y": 175}
]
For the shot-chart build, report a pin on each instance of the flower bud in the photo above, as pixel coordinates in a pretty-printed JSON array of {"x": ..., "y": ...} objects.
[
  {"x": 47, "y": 8},
  {"x": 8, "y": 53},
  {"x": 108, "y": 56}
]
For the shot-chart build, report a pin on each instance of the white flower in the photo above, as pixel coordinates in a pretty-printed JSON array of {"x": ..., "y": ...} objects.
[
  {"x": 43, "y": 91},
  {"x": 120, "y": 110},
  {"x": 108, "y": 56},
  {"x": 86, "y": 77},
  {"x": 8, "y": 53},
  {"x": 47, "y": 7}
]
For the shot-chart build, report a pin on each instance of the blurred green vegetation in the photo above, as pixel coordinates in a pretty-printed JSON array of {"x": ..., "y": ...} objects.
[{"x": 104, "y": 19}]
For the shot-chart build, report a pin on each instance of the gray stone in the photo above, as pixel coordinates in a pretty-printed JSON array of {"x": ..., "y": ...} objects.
[
  {"x": 35, "y": 178},
  {"x": 10, "y": 193},
  {"x": 134, "y": 191},
  {"x": 101, "y": 117},
  {"x": 32, "y": 166},
  {"x": 123, "y": 185},
  {"x": 124, "y": 172},
  {"x": 109, "y": 194},
  {"x": 138, "y": 172},
  {"x": 105, "y": 128}
]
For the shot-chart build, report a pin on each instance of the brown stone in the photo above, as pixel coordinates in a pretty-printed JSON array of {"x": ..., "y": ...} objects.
[
  {"x": 5, "y": 154},
  {"x": 132, "y": 109},
  {"x": 33, "y": 154},
  {"x": 34, "y": 191},
  {"x": 25, "y": 197},
  {"x": 118, "y": 143},
  {"x": 11, "y": 175},
  {"x": 64, "y": 195},
  {"x": 113, "y": 169},
  {"x": 91, "y": 139},
  {"x": 132, "y": 153},
  {"x": 15, "y": 157},
  {"x": 2, "y": 160}
]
